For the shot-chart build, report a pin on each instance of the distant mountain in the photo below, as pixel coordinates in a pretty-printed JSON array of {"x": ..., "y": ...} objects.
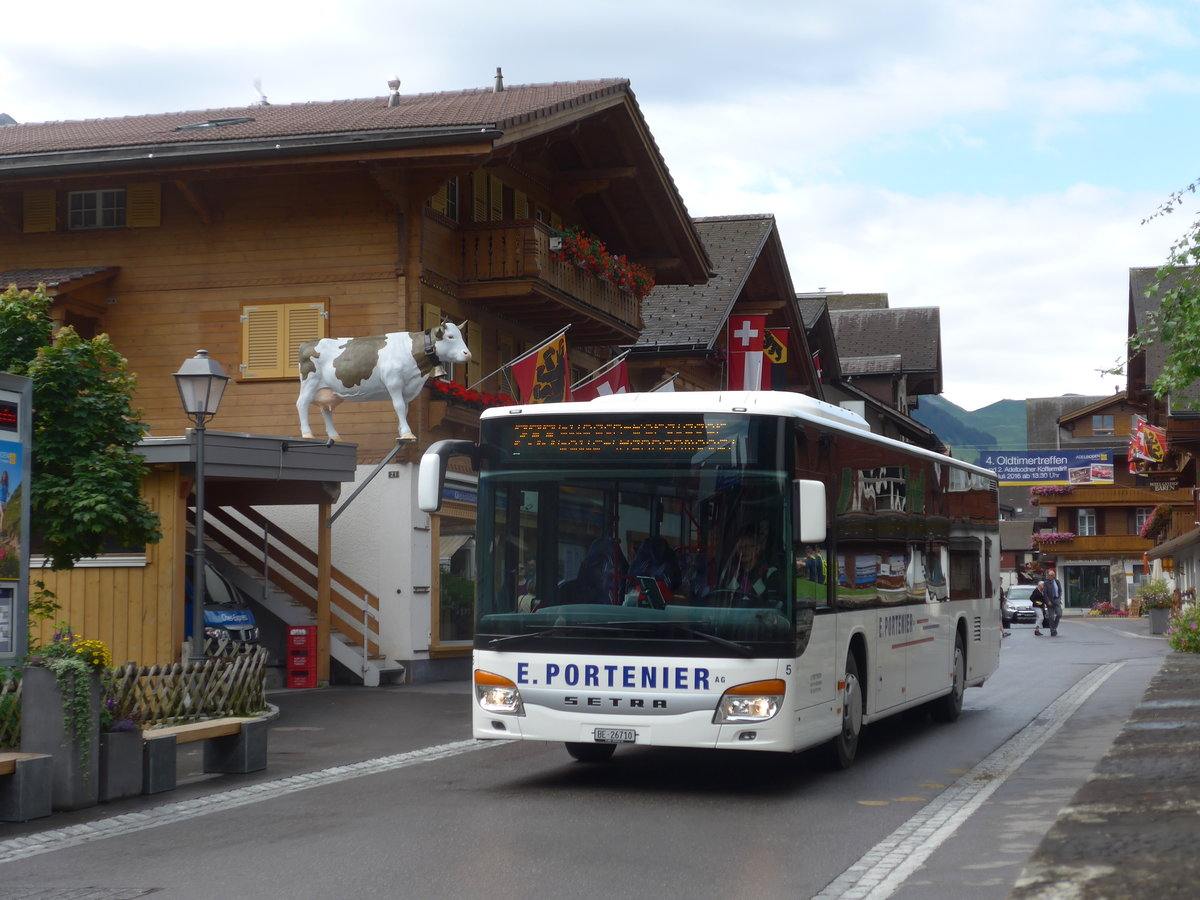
[{"x": 1000, "y": 426}]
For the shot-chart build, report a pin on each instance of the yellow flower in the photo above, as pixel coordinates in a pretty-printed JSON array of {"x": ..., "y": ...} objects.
[{"x": 93, "y": 652}]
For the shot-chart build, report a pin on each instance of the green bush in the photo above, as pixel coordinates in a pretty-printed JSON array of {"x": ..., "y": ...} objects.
[{"x": 1183, "y": 632}]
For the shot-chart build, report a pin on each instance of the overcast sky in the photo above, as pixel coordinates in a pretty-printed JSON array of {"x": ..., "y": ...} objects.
[{"x": 993, "y": 158}]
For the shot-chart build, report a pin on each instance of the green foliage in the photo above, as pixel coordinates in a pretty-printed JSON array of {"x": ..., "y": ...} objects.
[
  {"x": 1183, "y": 632},
  {"x": 87, "y": 474},
  {"x": 74, "y": 661},
  {"x": 1176, "y": 322},
  {"x": 25, "y": 327}
]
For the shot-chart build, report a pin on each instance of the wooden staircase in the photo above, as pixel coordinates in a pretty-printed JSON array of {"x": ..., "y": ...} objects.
[{"x": 280, "y": 573}]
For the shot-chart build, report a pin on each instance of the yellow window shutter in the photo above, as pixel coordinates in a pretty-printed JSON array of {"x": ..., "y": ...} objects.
[
  {"x": 431, "y": 315},
  {"x": 261, "y": 327},
  {"x": 520, "y": 205},
  {"x": 39, "y": 210},
  {"x": 479, "y": 197},
  {"x": 143, "y": 205},
  {"x": 439, "y": 200},
  {"x": 556, "y": 221},
  {"x": 305, "y": 322},
  {"x": 272, "y": 334},
  {"x": 495, "y": 199}
]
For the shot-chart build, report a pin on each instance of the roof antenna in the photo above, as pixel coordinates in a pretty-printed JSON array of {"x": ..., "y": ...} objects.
[
  {"x": 262, "y": 98},
  {"x": 499, "y": 81},
  {"x": 394, "y": 91}
]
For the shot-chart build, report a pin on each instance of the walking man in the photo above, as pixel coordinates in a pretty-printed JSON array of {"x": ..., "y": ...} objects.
[{"x": 1054, "y": 602}]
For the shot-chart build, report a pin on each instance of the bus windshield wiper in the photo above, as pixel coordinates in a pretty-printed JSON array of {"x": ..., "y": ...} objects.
[
  {"x": 743, "y": 649},
  {"x": 554, "y": 629}
]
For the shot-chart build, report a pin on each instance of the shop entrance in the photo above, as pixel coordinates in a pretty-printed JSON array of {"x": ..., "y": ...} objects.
[{"x": 1085, "y": 586}]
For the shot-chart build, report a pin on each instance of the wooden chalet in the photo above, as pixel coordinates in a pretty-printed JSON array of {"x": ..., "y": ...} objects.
[
  {"x": 246, "y": 231},
  {"x": 684, "y": 326}
]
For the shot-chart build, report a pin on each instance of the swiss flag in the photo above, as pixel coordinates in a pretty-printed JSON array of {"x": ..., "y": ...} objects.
[
  {"x": 614, "y": 381},
  {"x": 745, "y": 344}
]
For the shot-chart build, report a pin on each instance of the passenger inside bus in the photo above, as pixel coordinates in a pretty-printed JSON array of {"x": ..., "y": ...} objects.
[
  {"x": 601, "y": 574},
  {"x": 655, "y": 560},
  {"x": 749, "y": 578}
]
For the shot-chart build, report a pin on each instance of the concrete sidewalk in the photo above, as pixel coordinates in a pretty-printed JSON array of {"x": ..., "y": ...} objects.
[{"x": 1130, "y": 831}]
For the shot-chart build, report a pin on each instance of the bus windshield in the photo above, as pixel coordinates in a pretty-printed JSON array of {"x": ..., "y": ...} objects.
[{"x": 651, "y": 538}]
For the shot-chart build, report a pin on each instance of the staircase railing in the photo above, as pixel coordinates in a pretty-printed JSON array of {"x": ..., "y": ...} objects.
[{"x": 290, "y": 566}]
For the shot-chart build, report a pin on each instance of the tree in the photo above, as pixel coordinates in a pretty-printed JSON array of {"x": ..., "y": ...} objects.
[
  {"x": 86, "y": 472},
  {"x": 1176, "y": 322}
]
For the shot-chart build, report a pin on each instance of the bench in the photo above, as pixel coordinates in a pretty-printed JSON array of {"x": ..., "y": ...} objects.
[
  {"x": 26, "y": 786},
  {"x": 232, "y": 745}
]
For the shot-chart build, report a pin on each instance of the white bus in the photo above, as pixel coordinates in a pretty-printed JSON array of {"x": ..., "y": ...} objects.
[{"x": 752, "y": 571}]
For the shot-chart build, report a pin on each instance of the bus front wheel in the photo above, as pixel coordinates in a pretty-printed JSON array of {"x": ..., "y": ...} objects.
[
  {"x": 949, "y": 708},
  {"x": 844, "y": 747},
  {"x": 591, "y": 753}
]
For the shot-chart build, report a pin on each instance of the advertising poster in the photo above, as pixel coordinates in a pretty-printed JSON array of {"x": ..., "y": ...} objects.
[
  {"x": 11, "y": 463},
  {"x": 1051, "y": 466}
]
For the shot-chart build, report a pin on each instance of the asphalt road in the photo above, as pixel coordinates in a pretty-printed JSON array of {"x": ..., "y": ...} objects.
[{"x": 380, "y": 793}]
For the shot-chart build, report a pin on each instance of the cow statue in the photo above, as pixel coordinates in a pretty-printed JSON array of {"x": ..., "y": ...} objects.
[{"x": 380, "y": 367}]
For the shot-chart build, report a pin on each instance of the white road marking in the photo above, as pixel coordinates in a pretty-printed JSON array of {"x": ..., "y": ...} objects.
[
  {"x": 886, "y": 866},
  {"x": 170, "y": 813}
]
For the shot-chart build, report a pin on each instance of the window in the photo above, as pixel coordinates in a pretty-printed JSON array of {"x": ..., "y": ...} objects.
[
  {"x": 272, "y": 334},
  {"x": 96, "y": 209},
  {"x": 445, "y": 201},
  {"x": 1140, "y": 517},
  {"x": 1102, "y": 425},
  {"x": 1087, "y": 523}
]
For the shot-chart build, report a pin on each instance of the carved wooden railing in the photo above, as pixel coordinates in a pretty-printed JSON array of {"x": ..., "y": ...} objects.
[
  {"x": 290, "y": 566},
  {"x": 498, "y": 252}
]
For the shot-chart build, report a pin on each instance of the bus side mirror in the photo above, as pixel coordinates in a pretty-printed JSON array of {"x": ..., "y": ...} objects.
[
  {"x": 432, "y": 471},
  {"x": 808, "y": 511}
]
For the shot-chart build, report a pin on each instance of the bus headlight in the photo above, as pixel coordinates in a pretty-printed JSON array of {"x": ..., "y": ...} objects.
[
  {"x": 755, "y": 701},
  {"x": 498, "y": 694}
]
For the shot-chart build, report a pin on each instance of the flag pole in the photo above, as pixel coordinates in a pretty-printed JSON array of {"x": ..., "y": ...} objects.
[
  {"x": 600, "y": 372},
  {"x": 662, "y": 384},
  {"x": 526, "y": 354}
]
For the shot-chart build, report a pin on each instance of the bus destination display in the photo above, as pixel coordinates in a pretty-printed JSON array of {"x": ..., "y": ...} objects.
[{"x": 710, "y": 439}]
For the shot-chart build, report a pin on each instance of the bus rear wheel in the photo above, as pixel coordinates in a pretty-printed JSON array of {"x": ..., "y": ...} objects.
[
  {"x": 591, "y": 753},
  {"x": 844, "y": 747}
]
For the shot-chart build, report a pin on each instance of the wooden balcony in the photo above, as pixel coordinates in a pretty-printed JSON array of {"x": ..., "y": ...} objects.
[
  {"x": 1097, "y": 496},
  {"x": 507, "y": 267},
  {"x": 1100, "y": 545}
]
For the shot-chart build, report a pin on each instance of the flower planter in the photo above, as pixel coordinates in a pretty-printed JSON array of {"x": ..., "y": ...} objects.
[
  {"x": 44, "y": 729},
  {"x": 1159, "y": 616},
  {"x": 120, "y": 765}
]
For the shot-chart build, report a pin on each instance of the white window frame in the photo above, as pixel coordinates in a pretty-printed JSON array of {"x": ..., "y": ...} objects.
[
  {"x": 88, "y": 210},
  {"x": 1086, "y": 522}
]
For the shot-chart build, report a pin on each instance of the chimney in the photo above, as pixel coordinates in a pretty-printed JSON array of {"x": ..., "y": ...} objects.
[
  {"x": 393, "y": 91},
  {"x": 499, "y": 81}
]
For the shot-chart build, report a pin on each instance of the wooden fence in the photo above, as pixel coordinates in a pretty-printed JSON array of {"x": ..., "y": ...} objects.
[{"x": 231, "y": 683}]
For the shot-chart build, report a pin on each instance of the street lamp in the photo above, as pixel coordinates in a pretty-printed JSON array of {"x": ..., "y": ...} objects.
[{"x": 201, "y": 383}]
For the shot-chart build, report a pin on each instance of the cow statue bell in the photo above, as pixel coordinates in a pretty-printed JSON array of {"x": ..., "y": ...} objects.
[{"x": 392, "y": 366}]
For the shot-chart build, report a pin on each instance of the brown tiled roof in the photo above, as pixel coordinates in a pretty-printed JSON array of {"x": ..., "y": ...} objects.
[
  {"x": 693, "y": 315},
  {"x": 28, "y": 279},
  {"x": 482, "y": 107}
]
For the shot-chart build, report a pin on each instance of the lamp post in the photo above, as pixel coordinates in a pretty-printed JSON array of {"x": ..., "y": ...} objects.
[{"x": 201, "y": 383}]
